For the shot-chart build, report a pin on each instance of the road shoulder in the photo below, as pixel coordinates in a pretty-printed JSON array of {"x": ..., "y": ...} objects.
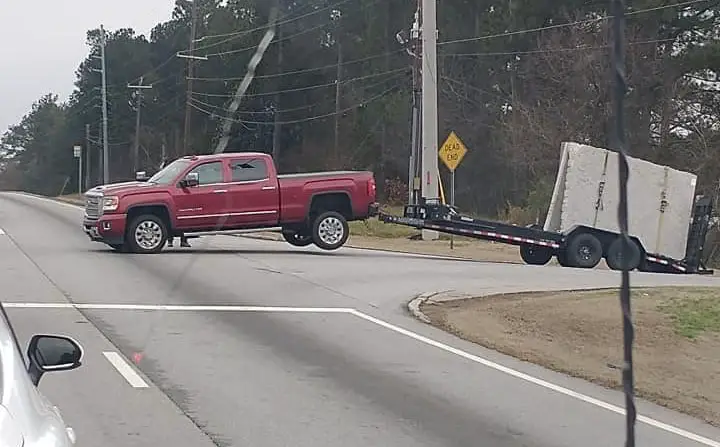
[{"x": 579, "y": 333}]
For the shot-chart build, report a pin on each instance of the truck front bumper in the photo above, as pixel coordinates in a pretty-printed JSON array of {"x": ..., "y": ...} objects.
[{"x": 109, "y": 228}]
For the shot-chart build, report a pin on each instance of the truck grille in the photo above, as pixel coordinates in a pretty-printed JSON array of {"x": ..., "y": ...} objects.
[{"x": 93, "y": 207}]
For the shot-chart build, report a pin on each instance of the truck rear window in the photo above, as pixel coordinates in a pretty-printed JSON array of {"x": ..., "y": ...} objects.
[{"x": 248, "y": 170}]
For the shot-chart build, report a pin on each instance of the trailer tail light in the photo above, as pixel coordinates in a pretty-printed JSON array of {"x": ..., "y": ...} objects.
[{"x": 371, "y": 189}]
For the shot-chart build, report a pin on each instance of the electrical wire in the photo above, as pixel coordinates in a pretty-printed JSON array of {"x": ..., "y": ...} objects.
[
  {"x": 252, "y": 47},
  {"x": 304, "y": 70},
  {"x": 551, "y": 50},
  {"x": 239, "y": 34},
  {"x": 309, "y": 87},
  {"x": 224, "y": 110},
  {"x": 304, "y": 120},
  {"x": 568, "y": 24}
]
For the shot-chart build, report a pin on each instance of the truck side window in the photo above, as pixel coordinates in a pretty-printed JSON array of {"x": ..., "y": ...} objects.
[
  {"x": 210, "y": 173},
  {"x": 248, "y": 170}
]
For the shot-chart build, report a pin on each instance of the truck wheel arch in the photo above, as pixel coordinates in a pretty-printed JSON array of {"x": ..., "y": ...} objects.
[
  {"x": 159, "y": 209},
  {"x": 330, "y": 201}
]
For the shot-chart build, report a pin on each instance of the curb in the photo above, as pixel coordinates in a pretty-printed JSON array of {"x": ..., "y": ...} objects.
[{"x": 414, "y": 306}]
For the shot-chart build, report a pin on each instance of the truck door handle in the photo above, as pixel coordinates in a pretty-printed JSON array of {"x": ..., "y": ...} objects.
[{"x": 220, "y": 191}]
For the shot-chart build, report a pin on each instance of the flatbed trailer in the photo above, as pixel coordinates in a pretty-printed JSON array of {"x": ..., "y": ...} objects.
[{"x": 579, "y": 247}]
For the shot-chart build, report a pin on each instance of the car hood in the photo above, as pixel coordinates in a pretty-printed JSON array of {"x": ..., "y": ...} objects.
[{"x": 123, "y": 188}]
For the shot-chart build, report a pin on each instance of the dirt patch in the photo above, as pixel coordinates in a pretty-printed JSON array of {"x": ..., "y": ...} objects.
[{"x": 580, "y": 333}]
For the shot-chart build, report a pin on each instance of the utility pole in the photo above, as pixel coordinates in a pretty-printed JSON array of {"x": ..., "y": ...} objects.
[
  {"x": 429, "y": 107},
  {"x": 277, "y": 127},
  {"x": 138, "y": 105},
  {"x": 106, "y": 148},
  {"x": 190, "y": 74},
  {"x": 338, "y": 91},
  {"x": 242, "y": 88},
  {"x": 87, "y": 155},
  {"x": 414, "y": 173}
]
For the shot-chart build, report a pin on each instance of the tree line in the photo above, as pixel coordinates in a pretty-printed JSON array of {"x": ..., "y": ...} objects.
[{"x": 333, "y": 91}]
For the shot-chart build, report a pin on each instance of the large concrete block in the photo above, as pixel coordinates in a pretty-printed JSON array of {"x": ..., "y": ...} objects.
[{"x": 587, "y": 192}]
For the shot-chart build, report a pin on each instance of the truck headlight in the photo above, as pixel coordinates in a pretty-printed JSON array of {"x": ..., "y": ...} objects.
[{"x": 110, "y": 203}]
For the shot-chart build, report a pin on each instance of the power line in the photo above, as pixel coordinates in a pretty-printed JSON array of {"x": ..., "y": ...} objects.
[
  {"x": 308, "y": 106},
  {"x": 238, "y": 34},
  {"x": 568, "y": 24},
  {"x": 304, "y": 70},
  {"x": 312, "y": 118},
  {"x": 552, "y": 50},
  {"x": 310, "y": 87}
]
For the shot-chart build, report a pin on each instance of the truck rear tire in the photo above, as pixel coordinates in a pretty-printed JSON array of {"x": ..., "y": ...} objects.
[
  {"x": 330, "y": 230},
  {"x": 146, "y": 234},
  {"x": 584, "y": 251},
  {"x": 296, "y": 239},
  {"x": 535, "y": 254},
  {"x": 615, "y": 259}
]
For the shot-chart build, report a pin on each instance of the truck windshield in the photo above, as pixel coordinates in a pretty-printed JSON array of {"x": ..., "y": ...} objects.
[{"x": 170, "y": 172}]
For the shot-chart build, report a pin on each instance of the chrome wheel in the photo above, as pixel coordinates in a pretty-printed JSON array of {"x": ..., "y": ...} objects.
[
  {"x": 148, "y": 235},
  {"x": 331, "y": 230}
]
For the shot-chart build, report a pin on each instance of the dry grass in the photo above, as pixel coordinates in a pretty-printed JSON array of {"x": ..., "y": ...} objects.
[{"x": 579, "y": 333}]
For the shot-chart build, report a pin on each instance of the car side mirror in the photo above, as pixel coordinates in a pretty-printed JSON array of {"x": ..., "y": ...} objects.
[
  {"x": 191, "y": 179},
  {"x": 141, "y": 176},
  {"x": 48, "y": 353}
]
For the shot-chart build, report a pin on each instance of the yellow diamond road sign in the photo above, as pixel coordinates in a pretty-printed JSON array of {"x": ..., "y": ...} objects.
[{"x": 452, "y": 152}]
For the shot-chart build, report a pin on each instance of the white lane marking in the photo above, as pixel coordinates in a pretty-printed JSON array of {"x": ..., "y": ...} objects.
[
  {"x": 50, "y": 199},
  {"x": 125, "y": 369},
  {"x": 179, "y": 308},
  {"x": 534, "y": 380},
  {"x": 2, "y": 231},
  {"x": 428, "y": 341}
]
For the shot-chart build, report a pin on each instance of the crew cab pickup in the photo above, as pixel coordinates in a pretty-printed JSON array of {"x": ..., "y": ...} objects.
[{"x": 228, "y": 192}]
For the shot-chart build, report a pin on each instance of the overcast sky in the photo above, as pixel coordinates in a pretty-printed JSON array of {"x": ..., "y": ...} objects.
[{"x": 42, "y": 42}]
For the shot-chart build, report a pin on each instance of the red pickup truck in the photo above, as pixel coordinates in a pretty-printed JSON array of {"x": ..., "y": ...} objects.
[{"x": 225, "y": 193}]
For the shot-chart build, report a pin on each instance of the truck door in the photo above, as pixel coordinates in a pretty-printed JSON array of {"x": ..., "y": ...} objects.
[
  {"x": 254, "y": 195},
  {"x": 204, "y": 206}
]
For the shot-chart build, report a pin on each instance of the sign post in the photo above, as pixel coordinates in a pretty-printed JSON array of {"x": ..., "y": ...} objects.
[
  {"x": 77, "y": 153},
  {"x": 451, "y": 153}
]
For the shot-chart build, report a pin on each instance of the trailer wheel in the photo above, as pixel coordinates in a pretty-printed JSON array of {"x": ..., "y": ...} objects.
[
  {"x": 330, "y": 230},
  {"x": 535, "y": 255},
  {"x": 584, "y": 251},
  {"x": 296, "y": 239},
  {"x": 562, "y": 258},
  {"x": 615, "y": 257}
]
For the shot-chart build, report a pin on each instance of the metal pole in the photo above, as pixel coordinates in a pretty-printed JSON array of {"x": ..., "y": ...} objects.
[
  {"x": 87, "y": 155},
  {"x": 338, "y": 92},
  {"x": 138, "y": 105},
  {"x": 452, "y": 203},
  {"x": 190, "y": 74},
  {"x": 80, "y": 173},
  {"x": 106, "y": 148},
  {"x": 429, "y": 107}
]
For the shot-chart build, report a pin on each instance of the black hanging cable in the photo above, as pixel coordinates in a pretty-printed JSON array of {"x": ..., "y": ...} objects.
[{"x": 618, "y": 56}]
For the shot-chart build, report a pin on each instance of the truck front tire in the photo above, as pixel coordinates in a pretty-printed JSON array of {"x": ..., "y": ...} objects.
[
  {"x": 330, "y": 230},
  {"x": 146, "y": 234}
]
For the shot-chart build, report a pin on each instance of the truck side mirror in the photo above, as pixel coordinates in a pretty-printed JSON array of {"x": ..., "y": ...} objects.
[
  {"x": 192, "y": 179},
  {"x": 141, "y": 176}
]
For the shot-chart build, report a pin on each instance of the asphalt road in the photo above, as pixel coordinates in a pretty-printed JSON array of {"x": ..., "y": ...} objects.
[{"x": 317, "y": 349}]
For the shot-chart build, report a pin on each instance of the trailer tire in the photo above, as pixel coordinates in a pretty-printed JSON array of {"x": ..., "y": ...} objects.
[
  {"x": 615, "y": 259},
  {"x": 535, "y": 255},
  {"x": 562, "y": 258},
  {"x": 584, "y": 251},
  {"x": 296, "y": 239},
  {"x": 330, "y": 230}
]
